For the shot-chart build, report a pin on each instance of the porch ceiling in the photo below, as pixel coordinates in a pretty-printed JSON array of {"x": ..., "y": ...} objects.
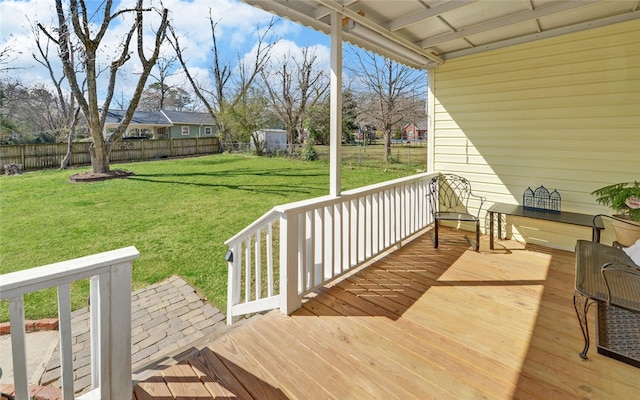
[{"x": 424, "y": 33}]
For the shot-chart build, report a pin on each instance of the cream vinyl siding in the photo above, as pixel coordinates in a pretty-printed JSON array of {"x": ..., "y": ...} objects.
[{"x": 561, "y": 112}]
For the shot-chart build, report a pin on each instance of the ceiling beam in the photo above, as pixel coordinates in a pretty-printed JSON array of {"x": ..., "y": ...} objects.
[
  {"x": 425, "y": 14},
  {"x": 506, "y": 21},
  {"x": 547, "y": 34},
  {"x": 362, "y": 20},
  {"x": 302, "y": 14}
]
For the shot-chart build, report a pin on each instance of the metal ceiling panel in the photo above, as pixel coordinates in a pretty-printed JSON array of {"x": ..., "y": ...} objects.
[{"x": 424, "y": 33}]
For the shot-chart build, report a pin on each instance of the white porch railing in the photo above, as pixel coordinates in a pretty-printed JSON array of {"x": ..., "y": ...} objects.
[
  {"x": 315, "y": 241},
  {"x": 110, "y": 320}
]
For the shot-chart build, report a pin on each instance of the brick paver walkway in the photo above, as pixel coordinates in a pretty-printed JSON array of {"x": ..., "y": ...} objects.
[{"x": 167, "y": 318}]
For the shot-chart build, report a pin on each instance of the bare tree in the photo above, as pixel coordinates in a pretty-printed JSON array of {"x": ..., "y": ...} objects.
[
  {"x": 163, "y": 97},
  {"x": 90, "y": 38},
  {"x": 294, "y": 86},
  {"x": 6, "y": 57},
  {"x": 388, "y": 91},
  {"x": 30, "y": 113},
  {"x": 69, "y": 113},
  {"x": 227, "y": 92},
  {"x": 156, "y": 94}
]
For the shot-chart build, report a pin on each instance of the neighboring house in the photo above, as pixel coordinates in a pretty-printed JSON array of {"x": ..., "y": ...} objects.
[
  {"x": 274, "y": 139},
  {"x": 415, "y": 131},
  {"x": 190, "y": 124},
  {"x": 164, "y": 124},
  {"x": 149, "y": 124}
]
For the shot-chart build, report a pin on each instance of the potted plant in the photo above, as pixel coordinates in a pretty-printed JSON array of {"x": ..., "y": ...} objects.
[{"x": 623, "y": 198}]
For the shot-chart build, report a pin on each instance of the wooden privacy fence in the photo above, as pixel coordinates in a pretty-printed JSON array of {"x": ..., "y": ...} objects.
[{"x": 45, "y": 155}]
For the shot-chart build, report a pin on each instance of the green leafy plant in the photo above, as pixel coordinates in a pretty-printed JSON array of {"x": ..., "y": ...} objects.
[
  {"x": 309, "y": 153},
  {"x": 623, "y": 197}
]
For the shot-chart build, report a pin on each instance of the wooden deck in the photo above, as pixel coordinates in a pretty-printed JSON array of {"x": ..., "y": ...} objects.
[{"x": 419, "y": 324}]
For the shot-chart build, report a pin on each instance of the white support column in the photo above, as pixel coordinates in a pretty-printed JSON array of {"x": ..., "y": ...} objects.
[
  {"x": 431, "y": 120},
  {"x": 336, "y": 104}
]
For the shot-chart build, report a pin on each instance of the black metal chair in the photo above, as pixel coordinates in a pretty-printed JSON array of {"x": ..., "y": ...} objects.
[
  {"x": 449, "y": 195},
  {"x": 626, "y": 231}
]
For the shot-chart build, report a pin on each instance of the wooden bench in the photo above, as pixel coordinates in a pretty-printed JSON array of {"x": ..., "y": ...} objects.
[
  {"x": 605, "y": 275},
  {"x": 565, "y": 217}
]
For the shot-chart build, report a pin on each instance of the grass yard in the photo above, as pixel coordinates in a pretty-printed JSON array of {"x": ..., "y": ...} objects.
[
  {"x": 178, "y": 213},
  {"x": 412, "y": 155}
]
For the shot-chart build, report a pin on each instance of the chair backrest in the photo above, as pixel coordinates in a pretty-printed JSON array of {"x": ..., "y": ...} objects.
[{"x": 449, "y": 192}]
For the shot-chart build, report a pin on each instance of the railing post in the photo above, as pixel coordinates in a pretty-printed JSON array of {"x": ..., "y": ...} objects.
[
  {"x": 111, "y": 342},
  {"x": 290, "y": 299},
  {"x": 230, "y": 270},
  {"x": 19, "y": 347},
  {"x": 119, "y": 358},
  {"x": 110, "y": 320},
  {"x": 233, "y": 281},
  {"x": 66, "y": 339},
  {"x": 95, "y": 334}
]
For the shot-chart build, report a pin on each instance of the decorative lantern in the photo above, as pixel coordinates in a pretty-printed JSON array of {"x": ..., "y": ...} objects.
[{"x": 541, "y": 200}]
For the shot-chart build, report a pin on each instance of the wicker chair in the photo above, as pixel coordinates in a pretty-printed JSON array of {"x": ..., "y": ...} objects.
[{"x": 449, "y": 195}]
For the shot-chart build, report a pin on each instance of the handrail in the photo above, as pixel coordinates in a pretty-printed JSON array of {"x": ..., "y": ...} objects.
[
  {"x": 300, "y": 246},
  {"x": 268, "y": 216},
  {"x": 110, "y": 318}
]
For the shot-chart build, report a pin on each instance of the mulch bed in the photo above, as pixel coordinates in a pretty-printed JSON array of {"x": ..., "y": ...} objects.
[{"x": 99, "y": 176}]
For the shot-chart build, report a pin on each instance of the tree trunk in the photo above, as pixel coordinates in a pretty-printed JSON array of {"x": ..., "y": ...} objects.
[
  {"x": 72, "y": 132},
  {"x": 387, "y": 145},
  {"x": 99, "y": 157},
  {"x": 67, "y": 157}
]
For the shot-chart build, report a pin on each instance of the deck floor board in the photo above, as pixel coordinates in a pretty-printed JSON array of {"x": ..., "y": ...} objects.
[{"x": 420, "y": 323}]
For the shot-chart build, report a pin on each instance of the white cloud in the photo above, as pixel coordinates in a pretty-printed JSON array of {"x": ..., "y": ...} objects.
[
  {"x": 290, "y": 49},
  {"x": 236, "y": 32}
]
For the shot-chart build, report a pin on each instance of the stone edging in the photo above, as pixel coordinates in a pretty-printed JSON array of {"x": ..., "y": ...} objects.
[{"x": 45, "y": 324}]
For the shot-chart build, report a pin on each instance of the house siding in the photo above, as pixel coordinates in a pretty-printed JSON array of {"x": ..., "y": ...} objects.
[
  {"x": 562, "y": 112},
  {"x": 194, "y": 131}
]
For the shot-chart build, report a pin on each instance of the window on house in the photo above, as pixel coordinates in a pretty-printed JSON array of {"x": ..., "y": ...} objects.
[
  {"x": 185, "y": 130},
  {"x": 207, "y": 130}
]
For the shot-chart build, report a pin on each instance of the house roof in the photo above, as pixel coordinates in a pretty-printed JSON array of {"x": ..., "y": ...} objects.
[
  {"x": 193, "y": 118},
  {"x": 160, "y": 118},
  {"x": 140, "y": 118},
  {"x": 420, "y": 124},
  {"x": 425, "y": 33}
]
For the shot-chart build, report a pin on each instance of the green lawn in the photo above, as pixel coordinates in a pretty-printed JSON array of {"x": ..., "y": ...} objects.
[{"x": 178, "y": 213}]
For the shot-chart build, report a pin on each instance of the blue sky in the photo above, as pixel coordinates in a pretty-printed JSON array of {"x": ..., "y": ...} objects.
[{"x": 236, "y": 33}]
